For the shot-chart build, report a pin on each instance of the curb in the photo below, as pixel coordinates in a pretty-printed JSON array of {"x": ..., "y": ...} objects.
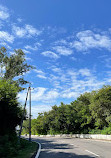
[{"x": 38, "y": 152}]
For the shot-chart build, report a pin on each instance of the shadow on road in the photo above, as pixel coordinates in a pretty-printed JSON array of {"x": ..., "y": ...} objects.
[
  {"x": 46, "y": 144},
  {"x": 54, "y": 149},
  {"x": 50, "y": 154}
]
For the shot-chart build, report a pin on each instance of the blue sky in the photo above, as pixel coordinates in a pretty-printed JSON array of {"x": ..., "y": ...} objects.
[{"x": 69, "y": 43}]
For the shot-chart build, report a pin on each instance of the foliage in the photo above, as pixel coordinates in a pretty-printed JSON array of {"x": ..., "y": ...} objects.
[
  {"x": 89, "y": 113},
  {"x": 25, "y": 127},
  {"x": 13, "y": 66},
  {"x": 9, "y": 147},
  {"x": 27, "y": 149},
  {"x": 101, "y": 107},
  {"x": 10, "y": 109}
]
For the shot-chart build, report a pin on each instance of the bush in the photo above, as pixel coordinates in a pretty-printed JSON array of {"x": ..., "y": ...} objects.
[
  {"x": 106, "y": 130},
  {"x": 8, "y": 146}
]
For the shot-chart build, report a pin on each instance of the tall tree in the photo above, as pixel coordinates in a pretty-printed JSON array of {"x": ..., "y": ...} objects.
[
  {"x": 14, "y": 66},
  {"x": 101, "y": 107},
  {"x": 10, "y": 109}
]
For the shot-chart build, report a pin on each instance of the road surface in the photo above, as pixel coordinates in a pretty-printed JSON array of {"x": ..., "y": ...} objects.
[{"x": 73, "y": 148}]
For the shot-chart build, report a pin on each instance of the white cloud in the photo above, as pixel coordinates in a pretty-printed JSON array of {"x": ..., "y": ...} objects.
[
  {"x": 37, "y": 94},
  {"x": 69, "y": 94},
  {"x": 85, "y": 72},
  {"x": 34, "y": 47},
  {"x": 40, "y": 74},
  {"x": 18, "y": 31},
  {"x": 51, "y": 95},
  {"x": 62, "y": 50},
  {"x": 72, "y": 83},
  {"x": 29, "y": 59},
  {"x": 41, "y": 94},
  {"x": 26, "y": 51},
  {"x": 19, "y": 20},
  {"x": 56, "y": 69},
  {"x": 108, "y": 62},
  {"x": 74, "y": 59},
  {"x": 88, "y": 40},
  {"x": 5, "y": 36},
  {"x": 31, "y": 30},
  {"x": 50, "y": 54},
  {"x": 26, "y": 31},
  {"x": 4, "y": 14},
  {"x": 4, "y": 44},
  {"x": 39, "y": 109},
  {"x": 67, "y": 84},
  {"x": 61, "y": 42}
]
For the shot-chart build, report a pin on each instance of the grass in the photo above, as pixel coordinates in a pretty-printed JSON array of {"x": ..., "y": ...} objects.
[{"x": 27, "y": 149}]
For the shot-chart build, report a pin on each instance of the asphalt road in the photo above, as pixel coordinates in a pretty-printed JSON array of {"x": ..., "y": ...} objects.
[{"x": 73, "y": 148}]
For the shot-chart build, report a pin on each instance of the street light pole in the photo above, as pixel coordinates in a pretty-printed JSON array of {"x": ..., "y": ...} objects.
[{"x": 30, "y": 113}]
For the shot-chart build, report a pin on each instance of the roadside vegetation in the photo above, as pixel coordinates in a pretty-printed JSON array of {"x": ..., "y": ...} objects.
[
  {"x": 89, "y": 113},
  {"x": 12, "y": 67},
  {"x": 27, "y": 149}
]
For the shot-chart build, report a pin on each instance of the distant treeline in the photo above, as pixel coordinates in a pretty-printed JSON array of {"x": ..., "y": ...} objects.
[{"x": 90, "y": 113}]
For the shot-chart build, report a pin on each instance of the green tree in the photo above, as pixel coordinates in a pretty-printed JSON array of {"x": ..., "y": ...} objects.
[
  {"x": 10, "y": 109},
  {"x": 101, "y": 107},
  {"x": 25, "y": 129},
  {"x": 14, "y": 66}
]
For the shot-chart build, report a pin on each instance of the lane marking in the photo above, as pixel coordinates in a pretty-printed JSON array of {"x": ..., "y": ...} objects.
[{"x": 92, "y": 153}]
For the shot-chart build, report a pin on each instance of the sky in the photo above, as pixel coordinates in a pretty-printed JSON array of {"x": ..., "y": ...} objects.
[{"x": 69, "y": 43}]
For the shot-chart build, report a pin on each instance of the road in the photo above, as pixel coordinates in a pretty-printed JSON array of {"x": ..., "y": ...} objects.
[{"x": 73, "y": 148}]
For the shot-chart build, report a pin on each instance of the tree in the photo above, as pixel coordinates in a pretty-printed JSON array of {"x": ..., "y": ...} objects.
[
  {"x": 12, "y": 69},
  {"x": 101, "y": 107},
  {"x": 14, "y": 66},
  {"x": 10, "y": 109}
]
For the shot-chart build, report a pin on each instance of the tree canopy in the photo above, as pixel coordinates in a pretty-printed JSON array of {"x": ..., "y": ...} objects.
[
  {"x": 13, "y": 66},
  {"x": 89, "y": 113}
]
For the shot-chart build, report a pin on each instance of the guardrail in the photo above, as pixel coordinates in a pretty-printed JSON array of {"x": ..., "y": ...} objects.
[{"x": 82, "y": 136}]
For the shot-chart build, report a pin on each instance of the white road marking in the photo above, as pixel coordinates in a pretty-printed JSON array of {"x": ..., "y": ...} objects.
[
  {"x": 92, "y": 153},
  {"x": 71, "y": 144}
]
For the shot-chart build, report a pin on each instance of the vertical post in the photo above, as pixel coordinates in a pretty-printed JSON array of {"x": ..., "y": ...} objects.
[
  {"x": 23, "y": 115},
  {"x": 30, "y": 113}
]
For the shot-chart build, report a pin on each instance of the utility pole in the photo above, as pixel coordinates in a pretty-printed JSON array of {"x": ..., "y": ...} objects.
[
  {"x": 30, "y": 113},
  {"x": 23, "y": 114}
]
